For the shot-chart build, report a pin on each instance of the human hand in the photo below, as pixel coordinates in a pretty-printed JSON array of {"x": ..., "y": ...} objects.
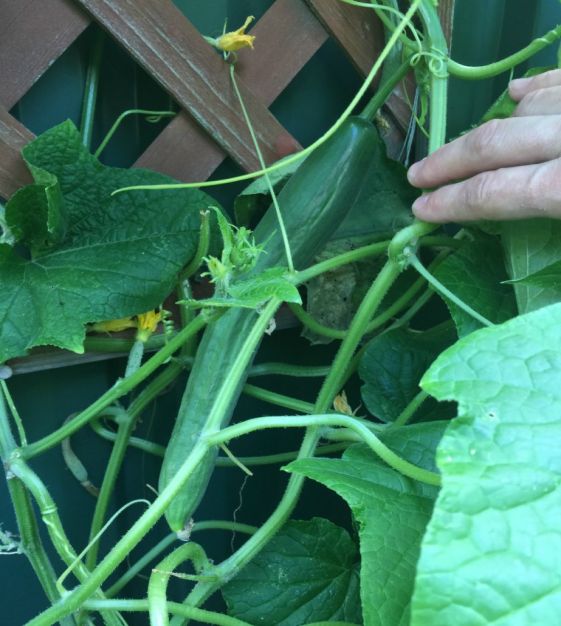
[{"x": 509, "y": 168}]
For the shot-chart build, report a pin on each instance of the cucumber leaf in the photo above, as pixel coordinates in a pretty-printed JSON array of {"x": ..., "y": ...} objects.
[
  {"x": 490, "y": 554},
  {"x": 253, "y": 292},
  {"x": 90, "y": 256},
  {"x": 392, "y": 365},
  {"x": 530, "y": 247},
  {"x": 476, "y": 274},
  {"x": 547, "y": 278},
  {"x": 307, "y": 573},
  {"x": 392, "y": 512}
]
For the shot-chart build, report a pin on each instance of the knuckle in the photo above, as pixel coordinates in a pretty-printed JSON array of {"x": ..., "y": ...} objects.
[
  {"x": 530, "y": 101},
  {"x": 478, "y": 192},
  {"x": 483, "y": 139}
]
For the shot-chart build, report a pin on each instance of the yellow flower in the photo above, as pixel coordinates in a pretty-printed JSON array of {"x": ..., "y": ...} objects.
[
  {"x": 147, "y": 324},
  {"x": 237, "y": 39},
  {"x": 341, "y": 405},
  {"x": 113, "y": 326}
]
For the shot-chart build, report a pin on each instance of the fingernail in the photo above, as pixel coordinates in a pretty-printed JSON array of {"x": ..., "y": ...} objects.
[
  {"x": 420, "y": 203},
  {"x": 518, "y": 84},
  {"x": 414, "y": 171}
]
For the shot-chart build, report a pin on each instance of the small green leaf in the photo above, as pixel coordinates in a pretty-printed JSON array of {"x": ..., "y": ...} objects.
[
  {"x": 120, "y": 255},
  {"x": 547, "y": 278},
  {"x": 392, "y": 366},
  {"x": 254, "y": 292},
  {"x": 530, "y": 247},
  {"x": 490, "y": 554},
  {"x": 392, "y": 512},
  {"x": 306, "y": 573},
  {"x": 476, "y": 274}
]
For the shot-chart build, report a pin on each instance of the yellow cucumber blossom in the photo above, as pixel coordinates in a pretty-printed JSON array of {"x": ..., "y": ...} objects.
[
  {"x": 113, "y": 326},
  {"x": 237, "y": 39},
  {"x": 147, "y": 324},
  {"x": 341, "y": 405}
]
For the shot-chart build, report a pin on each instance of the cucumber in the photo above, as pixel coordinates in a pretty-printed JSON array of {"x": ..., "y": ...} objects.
[{"x": 314, "y": 202}]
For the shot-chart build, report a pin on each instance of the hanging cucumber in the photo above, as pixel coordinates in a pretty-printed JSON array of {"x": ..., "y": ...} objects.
[{"x": 313, "y": 203}]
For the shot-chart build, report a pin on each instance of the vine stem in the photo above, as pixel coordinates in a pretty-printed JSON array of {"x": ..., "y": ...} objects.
[
  {"x": 127, "y": 422},
  {"x": 188, "y": 612},
  {"x": 263, "y": 166},
  {"x": 329, "y": 133},
  {"x": 31, "y": 543},
  {"x": 122, "y": 387},
  {"x": 157, "y": 585},
  {"x": 444, "y": 291},
  {"x": 322, "y": 421},
  {"x": 466, "y": 72},
  {"x": 90, "y": 90},
  {"x": 119, "y": 120}
]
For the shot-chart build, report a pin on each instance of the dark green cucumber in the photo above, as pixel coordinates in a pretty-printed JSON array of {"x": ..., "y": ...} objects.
[{"x": 313, "y": 203}]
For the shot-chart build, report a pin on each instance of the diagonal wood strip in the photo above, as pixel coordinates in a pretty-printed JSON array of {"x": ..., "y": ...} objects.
[
  {"x": 33, "y": 34},
  {"x": 358, "y": 31},
  {"x": 169, "y": 48},
  {"x": 287, "y": 36},
  {"x": 13, "y": 171}
]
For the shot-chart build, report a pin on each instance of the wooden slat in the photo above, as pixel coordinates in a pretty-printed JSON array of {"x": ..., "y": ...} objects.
[
  {"x": 13, "y": 172},
  {"x": 287, "y": 36},
  {"x": 358, "y": 31},
  {"x": 446, "y": 13},
  {"x": 169, "y": 47},
  {"x": 33, "y": 34}
]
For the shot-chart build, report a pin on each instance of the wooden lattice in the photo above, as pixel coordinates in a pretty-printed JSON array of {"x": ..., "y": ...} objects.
[{"x": 34, "y": 33}]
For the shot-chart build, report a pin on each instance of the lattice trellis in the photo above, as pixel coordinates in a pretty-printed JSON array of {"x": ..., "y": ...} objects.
[{"x": 210, "y": 127}]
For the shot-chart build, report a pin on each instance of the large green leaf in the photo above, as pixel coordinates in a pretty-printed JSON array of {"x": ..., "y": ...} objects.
[
  {"x": 119, "y": 256},
  {"x": 392, "y": 365},
  {"x": 476, "y": 273},
  {"x": 307, "y": 573},
  {"x": 392, "y": 512},
  {"x": 548, "y": 277},
  {"x": 530, "y": 246},
  {"x": 491, "y": 552}
]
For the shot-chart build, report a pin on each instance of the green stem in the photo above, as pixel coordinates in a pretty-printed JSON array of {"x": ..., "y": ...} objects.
[
  {"x": 157, "y": 586},
  {"x": 410, "y": 410},
  {"x": 445, "y": 292},
  {"x": 134, "y": 360},
  {"x": 127, "y": 422},
  {"x": 263, "y": 166},
  {"x": 121, "y": 388},
  {"x": 187, "y": 612},
  {"x": 51, "y": 519},
  {"x": 383, "y": 93},
  {"x": 137, "y": 567},
  {"x": 90, "y": 91},
  {"x": 31, "y": 543},
  {"x": 234, "y": 527},
  {"x": 327, "y": 135},
  {"x": 14, "y": 411},
  {"x": 287, "y": 369},
  {"x": 504, "y": 65},
  {"x": 323, "y": 420},
  {"x": 278, "y": 399},
  {"x": 125, "y": 114}
]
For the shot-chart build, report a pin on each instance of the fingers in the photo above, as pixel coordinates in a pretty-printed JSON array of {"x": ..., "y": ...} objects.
[
  {"x": 545, "y": 101},
  {"x": 505, "y": 194},
  {"x": 522, "y": 86},
  {"x": 498, "y": 143}
]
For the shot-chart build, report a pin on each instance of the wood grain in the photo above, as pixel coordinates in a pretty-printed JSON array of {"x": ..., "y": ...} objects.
[
  {"x": 33, "y": 34},
  {"x": 446, "y": 14},
  {"x": 13, "y": 171},
  {"x": 287, "y": 36},
  {"x": 357, "y": 30},
  {"x": 169, "y": 48}
]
